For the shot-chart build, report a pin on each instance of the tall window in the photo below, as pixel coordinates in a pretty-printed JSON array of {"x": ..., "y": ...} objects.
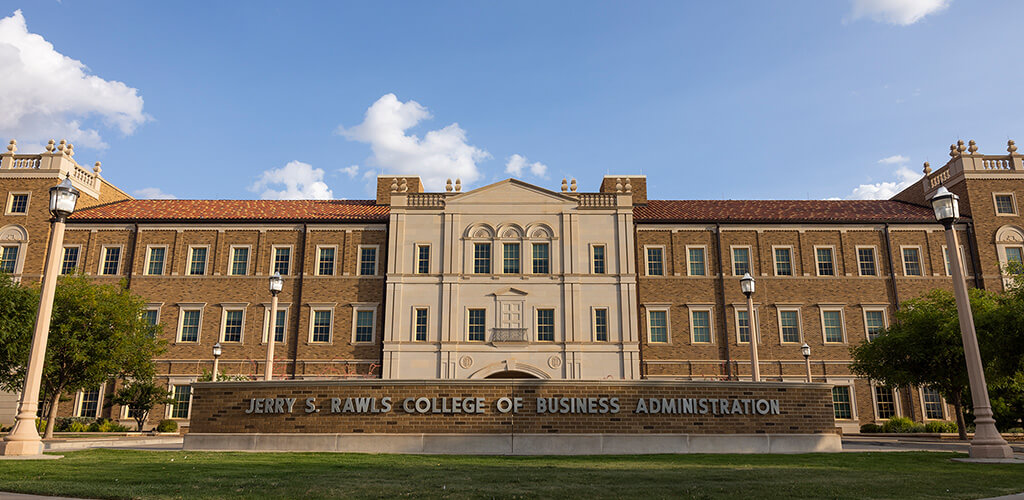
[
  {"x": 866, "y": 261},
  {"x": 157, "y": 255},
  {"x": 477, "y": 319},
  {"x": 423, "y": 259},
  {"x": 510, "y": 259},
  {"x": 911, "y": 262},
  {"x": 90, "y": 403},
  {"x": 197, "y": 261},
  {"x": 282, "y": 260},
  {"x": 545, "y": 325},
  {"x": 8, "y": 258},
  {"x": 541, "y": 258},
  {"x": 482, "y": 258},
  {"x": 789, "y": 324},
  {"x": 368, "y": 261},
  {"x": 601, "y": 325},
  {"x": 421, "y": 324},
  {"x": 325, "y": 262},
  {"x": 832, "y": 323},
  {"x": 239, "y": 261},
  {"x": 189, "y": 325},
  {"x": 233, "y": 325},
  {"x": 1004, "y": 204},
  {"x": 18, "y": 204},
  {"x": 743, "y": 325},
  {"x": 841, "y": 402},
  {"x": 885, "y": 402},
  {"x": 658, "y": 325},
  {"x": 655, "y": 261},
  {"x": 279, "y": 325},
  {"x": 783, "y": 262},
  {"x": 1014, "y": 255},
  {"x": 364, "y": 325},
  {"x": 740, "y": 261},
  {"x": 111, "y": 260},
  {"x": 182, "y": 396},
  {"x": 151, "y": 316},
  {"x": 322, "y": 325},
  {"x": 874, "y": 323},
  {"x": 696, "y": 260},
  {"x": 599, "y": 263},
  {"x": 701, "y": 326},
  {"x": 932, "y": 403},
  {"x": 70, "y": 261},
  {"x": 826, "y": 265}
]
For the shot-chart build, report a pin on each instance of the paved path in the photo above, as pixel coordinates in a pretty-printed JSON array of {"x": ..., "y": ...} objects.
[{"x": 855, "y": 443}]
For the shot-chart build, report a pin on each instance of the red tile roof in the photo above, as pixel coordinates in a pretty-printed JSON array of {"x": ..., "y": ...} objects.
[
  {"x": 774, "y": 211},
  {"x": 235, "y": 210}
]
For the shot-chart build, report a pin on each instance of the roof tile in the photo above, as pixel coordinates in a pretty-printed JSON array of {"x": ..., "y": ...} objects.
[
  {"x": 235, "y": 210},
  {"x": 665, "y": 211}
]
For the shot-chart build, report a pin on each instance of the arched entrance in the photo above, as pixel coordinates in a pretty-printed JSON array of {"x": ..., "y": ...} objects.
[{"x": 511, "y": 374}]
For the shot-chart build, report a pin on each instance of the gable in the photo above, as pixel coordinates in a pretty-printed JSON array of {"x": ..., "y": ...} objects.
[{"x": 510, "y": 192}]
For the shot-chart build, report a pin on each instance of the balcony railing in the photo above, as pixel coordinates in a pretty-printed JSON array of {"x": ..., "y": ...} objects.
[{"x": 508, "y": 335}]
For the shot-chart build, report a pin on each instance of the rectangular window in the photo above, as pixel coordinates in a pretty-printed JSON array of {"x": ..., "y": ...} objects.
[
  {"x": 232, "y": 325},
  {"x": 866, "y": 261},
  {"x": 477, "y": 318},
  {"x": 279, "y": 325},
  {"x": 832, "y": 324},
  {"x": 658, "y": 322},
  {"x": 599, "y": 267},
  {"x": 510, "y": 258},
  {"x": 182, "y": 395},
  {"x": 190, "y": 325},
  {"x": 740, "y": 261},
  {"x": 1004, "y": 204},
  {"x": 423, "y": 259},
  {"x": 963, "y": 263},
  {"x": 282, "y": 260},
  {"x": 885, "y": 402},
  {"x": 911, "y": 262},
  {"x": 421, "y": 324},
  {"x": 601, "y": 325},
  {"x": 696, "y": 261},
  {"x": 19, "y": 204},
  {"x": 70, "y": 262},
  {"x": 783, "y": 262},
  {"x": 545, "y": 325},
  {"x": 1014, "y": 255},
  {"x": 197, "y": 261},
  {"x": 90, "y": 404},
  {"x": 155, "y": 266},
  {"x": 841, "y": 402},
  {"x": 482, "y": 258},
  {"x": 8, "y": 259},
  {"x": 239, "y": 261},
  {"x": 325, "y": 262},
  {"x": 151, "y": 316},
  {"x": 322, "y": 325},
  {"x": 932, "y": 403},
  {"x": 541, "y": 258},
  {"x": 701, "y": 321},
  {"x": 826, "y": 265},
  {"x": 364, "y": 325},
  {"x": 743, "y": 326},
  {"x": 874, "y": 323},
  {"x": 789, "y": 325},
  {"x": 655, "y": 261},
  {"x": 111, "y": 260},
  {"x": 368, "y": 261}
]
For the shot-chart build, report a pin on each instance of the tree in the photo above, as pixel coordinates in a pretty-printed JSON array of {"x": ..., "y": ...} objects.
[
  {"x": 18, "y": 306},
  {"x": 141, "y": 396}
]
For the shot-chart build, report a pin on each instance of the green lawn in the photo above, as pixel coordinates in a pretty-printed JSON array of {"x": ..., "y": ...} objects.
[{"x": 152, "y": 474}]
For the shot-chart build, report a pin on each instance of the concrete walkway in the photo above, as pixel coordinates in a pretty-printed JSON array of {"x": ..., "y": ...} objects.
[
  {"x": 855, "y": 443},
  {"x": 114, "y": 442}
]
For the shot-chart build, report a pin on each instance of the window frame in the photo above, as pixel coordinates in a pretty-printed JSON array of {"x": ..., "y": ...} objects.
[
  {"x": 273, "y": 259},
  {"x": 490, "y": 258},
  {"x": 533, "y": 257},
  {"x": 799, "y": 324},
  {"x": 842, "y": 324},
  {"x": 206, "y": 261},
  {"x": 418, "y": 258},
  {"x": 469, "y": 325},
  {"x": 924, "y": 409},
  {"x": 80, "y": 400},
  {"x": 593, "y": 258},
  {"x": 874, "y": 259},
  {"x": 897, "y": 410},
  {"x": 78, "y": 258},
  {"x": 224, "y": 310},
  {"x": 737, "y": 309},
  {"x": 356, "y": 309},
  {"x": 817, "y": 262},
  {"x": 750, "y": 259},
  {"x": 775, "y": 260},
  {"x": 155, "y": 307},
  {"x": 231, "y": 259},
  {"x": 10, "y": 203},
  {"x": 518, "y": 259},
  {"x": 963, "y": 258},
  {"x": 594, "y": 325},
  {"x": 1013, "y": 204},
  {"x": 920, "y": 260},
  {"x": 149, "y": 257},
  {"x": 536, "y": 324},
  {"x": 852, "y": 393},
  {"x": 885, "y": 318},
  {"x": 170, "y": 408},
  {"x": 689, "y": 263},
  {"x": 182, "y": 309},
  {"x": 691, "y": 311},
  {"x": 376, "y": 260},
  {"x": 266, "y": 322},
  {"x": 17, "y": 257},
  {"x": 648, "y": 309},
  {"x": 320, "y": 261},
  {"x": 313, "y": 309},
  {"x": 415, "y": 323},
  {"x": 647, "y": 259},
  {"x": 103, "y": 259}
]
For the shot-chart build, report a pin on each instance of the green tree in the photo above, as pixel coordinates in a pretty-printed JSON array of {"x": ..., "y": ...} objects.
[
  {"x": 18, "y": 306},
  {"x": 141, "y": 396}
]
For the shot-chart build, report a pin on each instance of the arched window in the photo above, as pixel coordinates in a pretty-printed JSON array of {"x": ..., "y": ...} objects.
[{"x": 13, "y": 247}]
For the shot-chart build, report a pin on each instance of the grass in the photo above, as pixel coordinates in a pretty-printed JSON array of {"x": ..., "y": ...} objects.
[{"x": 152, "y": 474}]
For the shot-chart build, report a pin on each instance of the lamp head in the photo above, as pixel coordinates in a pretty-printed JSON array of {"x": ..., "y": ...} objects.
[
  {"x": 747, "y": 284},
  {"x": 276, "y": 283},
  {"x": 217, "y": 350},
  {"x": 946, "y": 206},
  {"x": 805, "y": 350},
  {"x": 63, "y": 198}
]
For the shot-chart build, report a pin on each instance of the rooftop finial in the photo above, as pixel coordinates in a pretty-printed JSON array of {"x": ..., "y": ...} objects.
[
  {"x": 458, "y": 185},
  {"x": 629, "y": 186},
  {"x": 565, "y": 185},
  {"x": 49, "y": 146},
  {"x": 60, "y": 147},
  {"x": 972, "y": 147},
  {"x": 952, "y": 151},
  {"x": 13, "y": 146},
  {"x": 96, "y": 168},
  {"x": 448, "y": 186},
  {"x": 960, "y": 146},
  {"x": 1011, "y": 147},
  {"x": 618, "y": 185},
  {"x": 404, "y": 186},
  {"x": 394, "y": 185},
  {"x": 927, "y": 168},
  {"x": 572, "y": 185}
]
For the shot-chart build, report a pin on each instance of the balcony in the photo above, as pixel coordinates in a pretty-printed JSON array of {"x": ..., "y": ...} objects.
[{"x": 508, "y": 336}]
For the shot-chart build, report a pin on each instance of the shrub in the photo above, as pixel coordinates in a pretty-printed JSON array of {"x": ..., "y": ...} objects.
[
  {"x": 940, "y": 426},
  {"x": 106, "y": 425},
  {"x": 72, "y": 424},
  {"x": 167, "y": 426},
  {"x": 41, "y": 425},
  {"x": 898, "y": 424},
  {"x": 869, "y": 428}
]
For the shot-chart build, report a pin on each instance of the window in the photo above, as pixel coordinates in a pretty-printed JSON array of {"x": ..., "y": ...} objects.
[
  {"x": 325, "y": 261},
  {"x": 743, "y": 326},
  {"x": 601, "y": 325},
  {"x": 545, "y": 325},
  {"x": 423, "y": 259},
  {"x": 885, "y": 402},
  {"x": 232, "y": 331},
  {"x": 152, "y": 316},
  {"x": 18, "y": 203},
  {"x": 197, "y": 261},
  {"x": 874, "y": 323},
  {"x": 70, "y": 262},
  {"x": 1004, "y": 204},
  {"x": 1014, "y": 255},
  {"x": 832, "y": 326},
  {"x": 740, "y": 261},
  {"x": 700, "y": 325},
  {"x": 789, "y": 325},
  {"x": 8, "y": 258},
  {"x": 541, "y": 258},
  {"x": 510, "y": 258},
  {"x": 279, "y": 325},
  {"x": 477, "y": 318},
  {"x": 282, "y": 260},
  {"x": 841, "y": 402},
  {"x": 189, "y": 329},
  {"x": 89, "y": 403},
  {"x": 182, "y": 396},
  {"x": 598, "y": 259},
  {"x": 364, "y": 325},
  {"x": 695, "y": 261},
  {"x": 963, "y": 263},
  {"x": 420, "y": 324},
  {"x": 155, "y": 260},
  {"x": 111, "y": 260},
  {"x": 866, "y": 261},
  {"x": 911, "y": 261},
  {"x": 783, "y": 261},
  {"x": 826, "y": 265},
  {"x": 655, "y": 261},
  {"x": 482, "y": 258},
  {"x": 367, "y": 261},
  {"x": 321, "y": 327},
  {"x": 932, "y": 400},
  {"x": 658, "y": 323},
  {"x": 239, "y": 261}
]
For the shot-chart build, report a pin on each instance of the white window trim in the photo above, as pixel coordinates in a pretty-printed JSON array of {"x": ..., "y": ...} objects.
[
  {"x": 334, "y": 265},
  {"x": 412, "y": 321},
  {"x": 593, "y": 324},
  {"x": 711, "y": 322},
  {"x": 355, "y": 317},
  {"x": 155, "y": 306},
  {"x": 1013, "y": 201},
  {"x": 181, "y": 322},
  {"x": 501, "y": 259},
  {"x": 206, "y": 264},
  {"x": 704, "y": 250},
  {"x": 896, "y": 402},
  {"x": 376, "y": 260},
  {"x": 874, "y": 257},
  {"x": 291, "y": 259},
  {"x": 103, "y": 258},
  {"x": 920, "y": 261},
  {"x": 10, "y": 203},
  {"x": 231, "y": 260},
  {"x": 149, "y": 249},
  {"x": 472, "y": 257},
  {"x": 555, "y": 337},
  {"x": 963, "y": 257},
  {"x": 850, "y": 386},
  {"x": 551, "y": 261},
  {"x": 817, "y": 263},
  {"x": 885, "y": 317},
  {"x": 169, "y": 409},
  {"x": 732, "y": 258},
  {"x": 799, "y": 323},
  {"x": 416, "y": 258},
  {"x": 80, "y": 399},
  {"x": 737, "y": 309},
  {"x": 466, "y": 321},
  {"x": 224, "y": 308},
  {"x": 312, "y": 316},
  {"x": 647, "y": 266},
  {"x": 78, "y": 261},
  {"x": 593, "y": 260},
  {"x": 924, "y": 412},
  {"x": 648, "y": 309},
  {"x": 775, "y": 262},
  {"x": 266, "y": 322},
  {"x": 842, "y": 323}
]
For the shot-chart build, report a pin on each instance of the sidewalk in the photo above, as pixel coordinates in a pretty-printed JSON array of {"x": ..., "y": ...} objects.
[
  {"x": 854, "y": 443},
  {"x": 170, "y": 443}
]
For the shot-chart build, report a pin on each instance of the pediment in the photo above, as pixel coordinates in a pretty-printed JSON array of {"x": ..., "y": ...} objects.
[
  {"x": 510, "y": 191},
  {"x": 510, "y": 292}
]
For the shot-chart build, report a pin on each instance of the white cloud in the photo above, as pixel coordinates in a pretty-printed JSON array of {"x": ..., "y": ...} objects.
[
  {"x": 45, "y": 94},
  {"x": 894, "y": 160},
  {"x": 441, "y": 154},
  {"x": 153, "y": 194},
  {"x": 296, "y": 181},
  {"x": 517, "y": 164},
  {"x": 351, "y": 170},
  {"x": 899, "y": 12},
  {"x": 885, "y": 190}
]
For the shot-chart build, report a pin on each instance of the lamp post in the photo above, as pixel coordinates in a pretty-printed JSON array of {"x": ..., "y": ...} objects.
[
  {"x": 987, "y": 442},
  {"x": 24, "y": 438},
  {"x": 217, "y": 351},
  {"x": 747, "y": 286},
  {"x": 806, "y": 351},
  {"x": 276, "y": 283}
]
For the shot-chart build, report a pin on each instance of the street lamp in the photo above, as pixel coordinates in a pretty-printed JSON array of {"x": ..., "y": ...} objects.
[
  {"x": 217, "y": 351},
  {"x": 806, "y": 351},
  {"x": 987, "y": 442},
  {"x": 276, "y": 283},
  {"x": 747, "y": 286},
  {"x": 24, "y": 438}
]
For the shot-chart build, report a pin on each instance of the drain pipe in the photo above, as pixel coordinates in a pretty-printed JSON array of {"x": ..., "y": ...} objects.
[
  {"x": 721, "y": 297},
  {"x": 892, "y": 271}
]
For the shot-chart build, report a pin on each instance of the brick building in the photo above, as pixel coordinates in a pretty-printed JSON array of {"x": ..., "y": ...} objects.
[{"x": 513, "y": 280}]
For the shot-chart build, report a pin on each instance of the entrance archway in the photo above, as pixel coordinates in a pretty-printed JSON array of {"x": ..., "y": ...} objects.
[{"x": 511, "y": 374}]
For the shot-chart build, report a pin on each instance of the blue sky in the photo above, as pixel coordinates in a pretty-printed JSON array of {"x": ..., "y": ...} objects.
[{"x": 792, "y": 99}]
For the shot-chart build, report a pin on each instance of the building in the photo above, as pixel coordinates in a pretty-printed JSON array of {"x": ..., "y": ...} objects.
[{"x": 514, "y": 280}]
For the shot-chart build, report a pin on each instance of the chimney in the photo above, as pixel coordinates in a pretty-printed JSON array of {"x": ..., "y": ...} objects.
[{"x": 633, "y": 184}]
